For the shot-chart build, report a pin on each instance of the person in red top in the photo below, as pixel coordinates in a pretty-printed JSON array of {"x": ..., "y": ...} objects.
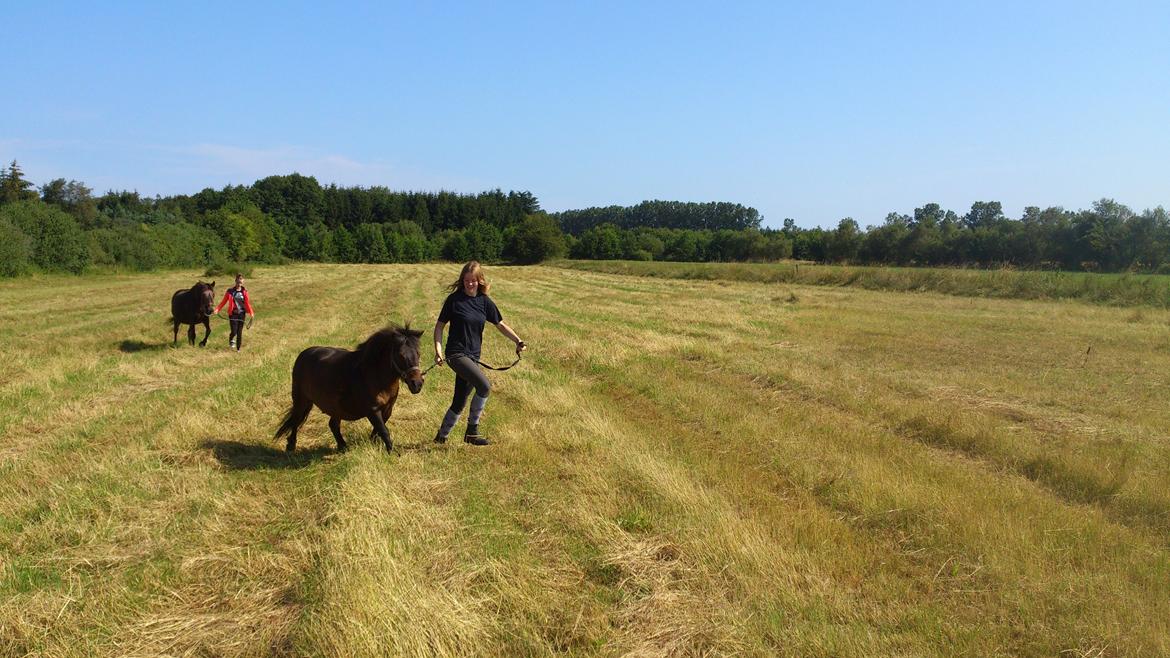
[{"x": 238, "y": 303}]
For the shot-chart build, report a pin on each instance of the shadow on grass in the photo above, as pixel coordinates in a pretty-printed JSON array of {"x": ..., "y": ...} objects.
[
  {"x": 132, "y": 346},
  {"x": 399, "y": 446},
  {"x": 238, "y": 456},
  {"x": 427, "y": 446}
]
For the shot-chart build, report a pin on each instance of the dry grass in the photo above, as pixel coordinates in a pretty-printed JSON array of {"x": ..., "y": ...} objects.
[
  {"x": 1125, "y": 289},
  {"x": 685, "y": 468}
]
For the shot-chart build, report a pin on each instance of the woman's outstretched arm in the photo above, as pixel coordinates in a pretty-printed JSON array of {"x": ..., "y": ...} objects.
[{"x": 507, "y": 331}]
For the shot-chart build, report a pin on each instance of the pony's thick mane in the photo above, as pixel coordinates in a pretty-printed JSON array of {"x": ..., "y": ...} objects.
[{"x": 386, "y": 338}]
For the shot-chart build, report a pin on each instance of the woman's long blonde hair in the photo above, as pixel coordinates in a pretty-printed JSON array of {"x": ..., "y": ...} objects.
[{"x": 472, "y": 267}]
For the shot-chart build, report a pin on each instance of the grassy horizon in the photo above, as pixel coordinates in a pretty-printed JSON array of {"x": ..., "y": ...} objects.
[{"x": 680, "y": 467}]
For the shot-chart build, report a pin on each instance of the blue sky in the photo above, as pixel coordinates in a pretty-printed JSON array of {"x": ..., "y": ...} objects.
[{"x": 814, "y": 111}]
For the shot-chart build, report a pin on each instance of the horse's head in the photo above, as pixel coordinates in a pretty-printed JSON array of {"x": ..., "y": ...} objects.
[
  {"x": 408, "y": 357},
  {"x": 206, "y": 297},
  {"x": 396, "y": 350}
]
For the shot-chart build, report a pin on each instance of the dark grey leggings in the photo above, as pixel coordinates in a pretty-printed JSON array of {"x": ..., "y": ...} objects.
[
  {"x": 237, "y": 329},
  {"x": 468, "y": 375}
]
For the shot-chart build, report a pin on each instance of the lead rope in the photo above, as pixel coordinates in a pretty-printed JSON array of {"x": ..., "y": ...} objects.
[{"x": 507, "y": 367}]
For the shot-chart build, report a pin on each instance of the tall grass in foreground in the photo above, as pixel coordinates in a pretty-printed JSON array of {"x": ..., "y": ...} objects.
[
  {"x": 1108, "y": 289},
  {"x": 717, "y": 468}
]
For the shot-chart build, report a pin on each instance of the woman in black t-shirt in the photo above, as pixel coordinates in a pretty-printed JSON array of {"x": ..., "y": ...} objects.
[{"x": 468, "y": 308}]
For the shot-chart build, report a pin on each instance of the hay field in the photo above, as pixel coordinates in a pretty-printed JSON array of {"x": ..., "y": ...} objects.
[{"x": 679, "y": 468}]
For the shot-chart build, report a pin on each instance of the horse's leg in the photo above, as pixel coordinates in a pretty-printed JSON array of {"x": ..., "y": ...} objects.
[
  {"x": 176, "y": 341},
  {"x": 207, "y": 326},
  {"x": 380, "y": 427},
  {"x": 191, "y": 335},
  {"x": 385, "y": 413},
  {"x": 335, "y": 427}
]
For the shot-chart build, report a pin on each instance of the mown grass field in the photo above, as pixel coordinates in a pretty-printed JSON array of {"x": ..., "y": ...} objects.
[{"x": 680, "y": 468}]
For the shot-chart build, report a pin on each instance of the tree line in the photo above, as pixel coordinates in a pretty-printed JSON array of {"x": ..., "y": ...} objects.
[
  {"x": 663, "y": 214},
  {"x": 63, "y": 226},
  {"x": 1108, "y": 237}
]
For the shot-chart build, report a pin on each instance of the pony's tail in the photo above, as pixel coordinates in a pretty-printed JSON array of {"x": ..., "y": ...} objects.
[{"x": 292, "y": 420}]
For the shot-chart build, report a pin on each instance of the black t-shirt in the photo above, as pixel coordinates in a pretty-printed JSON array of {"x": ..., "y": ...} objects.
[{"x": 467, "y": 316}]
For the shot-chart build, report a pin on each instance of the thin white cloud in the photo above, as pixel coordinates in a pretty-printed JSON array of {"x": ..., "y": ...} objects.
[
  {"x": 245, "y": 165},
  {"x": 30, "y": 145}
]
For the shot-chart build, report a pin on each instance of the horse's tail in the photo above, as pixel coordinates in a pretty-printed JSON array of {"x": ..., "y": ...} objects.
[
  {"x": 292, "y": 420},
  {"x": 298, "y": 411}
]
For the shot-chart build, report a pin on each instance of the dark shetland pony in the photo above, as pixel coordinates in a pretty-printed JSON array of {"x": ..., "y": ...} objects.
[
  {"x": 193, "y": 306},
  {"x": 348, "y": 385}
]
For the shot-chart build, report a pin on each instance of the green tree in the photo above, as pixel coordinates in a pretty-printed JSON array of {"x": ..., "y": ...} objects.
[
  {"x": 1148, "y": 240},
  {"x": 183, "y": 244},
  {"x": 772, "y": 246},
  {"x": 983, "y": 214},
  {"x": 536, "y": 239},
  {"x": 455, "y": 246},
  {"x": 394, "y": 246},
  {"x": 484, "y": 241},
  {"x": 130, "y": 244},
  {"x": 924, "y": 244},
  {"x": 74, "y": 198},
  {"x": 123, "y": 205},
  {"x": 13, "y": 186},
  {"x": 370, "y": 244},
  {"x": 684, "y": 245},
  {"x": 294, "y": 198},
  {"x": 421, "y": 215},
  {"x": 811, "y": 244},
  {"x": 410, "y": 241},
  {"x": 347, "y": 251},
  {"x": 602, "y": 242},
  {"x": 882, "y": 244},
  {"x": 321, "y": 243},
  {"x": 15, "y": 250},
  {"x": 650, "y": 242},
  {"x": 267, "y": 233},
  {"x": 58, "y": 243},
  {"x": 845, "y": 241},
  {"x": 236, "y": 230}
]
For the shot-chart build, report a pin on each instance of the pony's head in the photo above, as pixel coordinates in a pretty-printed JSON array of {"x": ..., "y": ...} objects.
[
  {"x": 206, "y": 297},
  {"x": 395, "y": 350}
]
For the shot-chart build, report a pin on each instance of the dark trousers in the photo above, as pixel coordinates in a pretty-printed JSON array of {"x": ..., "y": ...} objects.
[
  {"x": 237, "y": 329},
  {"x": 468, "y": 376}
]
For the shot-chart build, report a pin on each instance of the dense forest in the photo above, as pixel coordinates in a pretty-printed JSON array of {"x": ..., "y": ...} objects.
[
  {"x": 63, "y": 226},
  {"x": 1109, "y": 237}
]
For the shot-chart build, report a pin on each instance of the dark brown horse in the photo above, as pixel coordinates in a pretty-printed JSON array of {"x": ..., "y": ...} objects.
[
  {"x": 193, "y": 306},
  {"x": 348, "y": 385}
]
